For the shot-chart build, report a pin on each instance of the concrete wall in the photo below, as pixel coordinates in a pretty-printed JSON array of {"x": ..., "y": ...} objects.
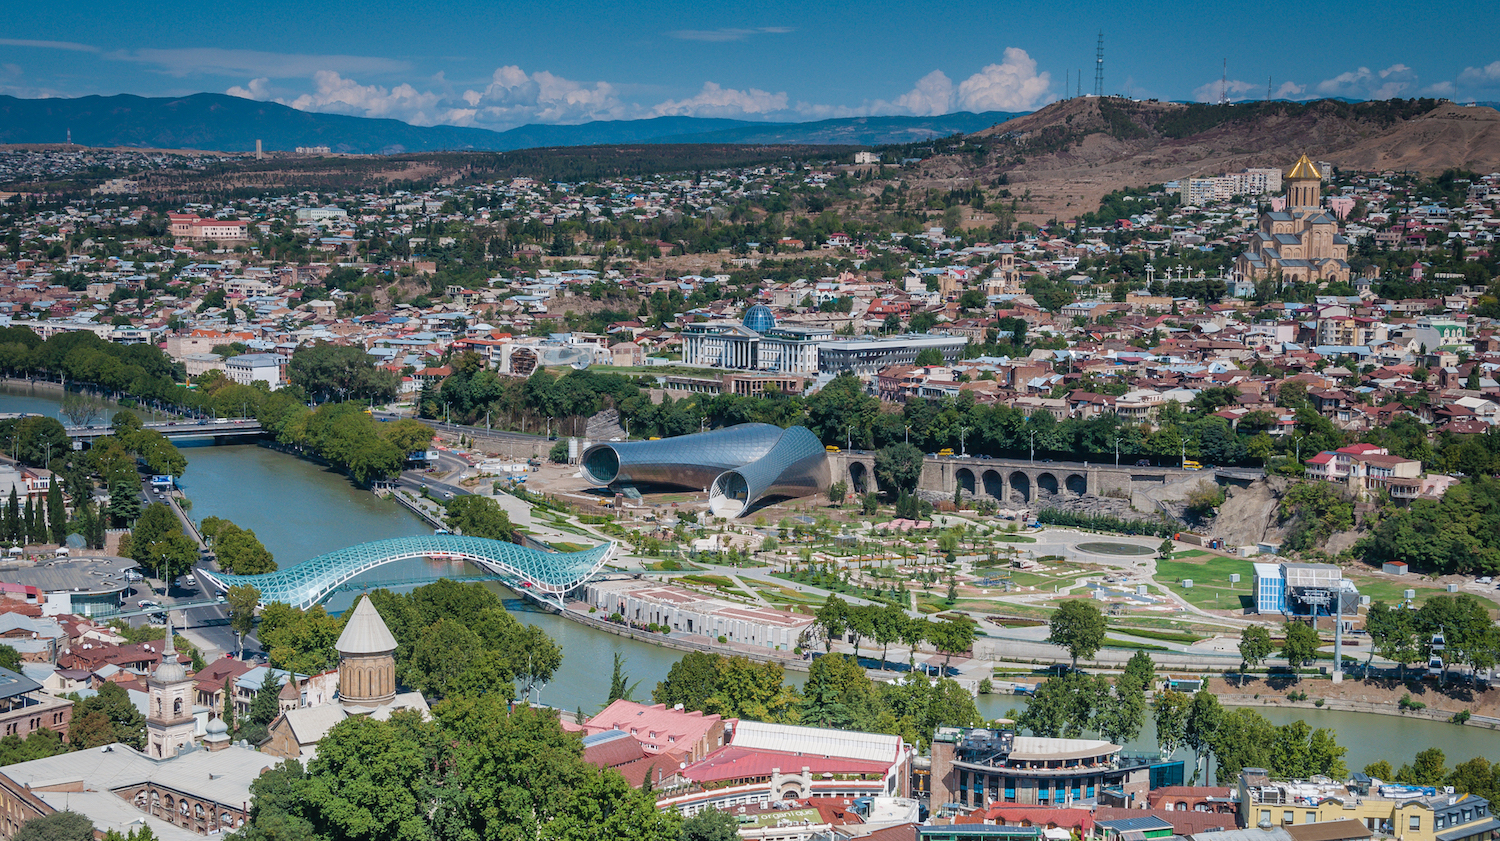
[{"x": 1011, "y": 480}]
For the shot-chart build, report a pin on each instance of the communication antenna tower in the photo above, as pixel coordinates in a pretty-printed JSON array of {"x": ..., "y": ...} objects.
[
  {"x": 1268, "y": 88},
  {"x": 1224, "y": 84},
  {"x": 1099, "y": 67}
]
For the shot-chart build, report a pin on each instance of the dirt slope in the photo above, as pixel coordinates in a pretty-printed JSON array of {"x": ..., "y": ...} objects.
[{"x": 1071, "y": 153}]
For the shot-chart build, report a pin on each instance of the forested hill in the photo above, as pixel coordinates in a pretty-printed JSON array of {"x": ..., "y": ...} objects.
[{"x": 217, "y": 122}]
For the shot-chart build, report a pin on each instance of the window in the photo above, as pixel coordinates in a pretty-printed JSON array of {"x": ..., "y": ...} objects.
[
  {"x": 1288, "y": 817},
  {"x": 1310, "y": 817},
  {"x": 1414, "y": 822}
]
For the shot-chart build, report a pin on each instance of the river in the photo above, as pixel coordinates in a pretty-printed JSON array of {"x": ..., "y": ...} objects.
[{"x": 299, "y": 510}]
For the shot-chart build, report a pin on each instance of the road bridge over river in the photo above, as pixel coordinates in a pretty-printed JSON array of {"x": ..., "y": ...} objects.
[{"x": 176, "y": 430}]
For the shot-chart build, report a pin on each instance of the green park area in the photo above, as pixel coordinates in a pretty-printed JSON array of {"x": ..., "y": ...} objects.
[{"x": 1209, "y": 573}]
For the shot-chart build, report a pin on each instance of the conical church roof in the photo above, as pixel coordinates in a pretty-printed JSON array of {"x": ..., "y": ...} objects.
[
  {"x": 1303, "y": 170},
  {"x": 365, "y": 632}
]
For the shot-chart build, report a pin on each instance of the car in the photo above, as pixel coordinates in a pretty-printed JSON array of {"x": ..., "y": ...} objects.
[
  {"x": 203, "y": 422},
  {"x": 1144, "y": 462},
  {"x": 220, "y": 598},
  {"x": 447, "y": 494},
  {"x": 1485, "y": 580},
  {"x": 190, "y": 581}
]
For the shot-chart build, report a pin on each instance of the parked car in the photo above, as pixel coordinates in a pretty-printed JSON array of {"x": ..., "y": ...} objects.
[{"x": 1144, "y": 462}]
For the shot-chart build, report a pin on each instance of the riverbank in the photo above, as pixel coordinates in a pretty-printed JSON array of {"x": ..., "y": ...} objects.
[
  {"x": 787, "y": 659},
  {"x": 1376, "y": 697}
]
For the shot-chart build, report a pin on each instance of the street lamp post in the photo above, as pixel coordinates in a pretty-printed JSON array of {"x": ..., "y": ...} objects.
[
  {"x": 1117, "y": 452},
  {"x": 963, "y": 448},
  {"x": 849, "y": 437},
  {"x": 1033, "y": 446}
]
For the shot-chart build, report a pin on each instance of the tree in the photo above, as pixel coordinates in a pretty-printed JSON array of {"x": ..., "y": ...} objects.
[
  {"x": 711, "y": 825},
  {"x": 240, "y": 552},
  {"x": 57, "y": 515},
  {"x": 898, "y": 467},
  {"x": 105, "y": 718},
  {"x": 951, "y": 636},
  {"x": 1204, "y": 715},
  {"x": 620, "y": 687},
  {"x": 81, "y": 409},
  {"x": 58, "y": 826},
  {"x": 929, "y": 356},
  {"x": 242, "y": 600},
  {"x": 10, "y": 658},
  {"x": 837, "y": 492},
  {"x": 1301, "y": 645},
  {"x": 1140, "y": 672},
  {"x": 690, "y": 682},
  {"x": 1078, "y": 626},
  {"x": 1426, "y": 769},
  {"x": 887, "y": 623},
  {"x": 833, "y": 618},
  {"x": 343, "y": 371},
  {"x": 478, "y": 516},
  {"x": 1255, "y": 647},
  {"x": 1393, "y": 635}
]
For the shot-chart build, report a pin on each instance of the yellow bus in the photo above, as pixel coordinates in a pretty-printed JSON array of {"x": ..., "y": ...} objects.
[
  {"x": 1189, "y": 464},
  {"x": 831, "y": 448},
  {"x": 946, "y": 452}
]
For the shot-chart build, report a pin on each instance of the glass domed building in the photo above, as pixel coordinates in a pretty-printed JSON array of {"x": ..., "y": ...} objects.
[{"x": 759, "y": 318}]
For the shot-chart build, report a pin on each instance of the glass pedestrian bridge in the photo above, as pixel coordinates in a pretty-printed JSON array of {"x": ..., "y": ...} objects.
[{"x": 313, "y": 580}]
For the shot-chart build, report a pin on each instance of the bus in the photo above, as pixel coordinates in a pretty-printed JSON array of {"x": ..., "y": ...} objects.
[
  {"x": 946, "y": 452},
  {"x": 1189, "y": 464}
]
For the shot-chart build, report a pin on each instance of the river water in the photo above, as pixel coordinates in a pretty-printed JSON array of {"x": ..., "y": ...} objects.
[{"x": 299, "y": 510}]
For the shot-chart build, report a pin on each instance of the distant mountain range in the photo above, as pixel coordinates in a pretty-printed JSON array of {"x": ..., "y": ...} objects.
[{"x": 217, "y": 122}]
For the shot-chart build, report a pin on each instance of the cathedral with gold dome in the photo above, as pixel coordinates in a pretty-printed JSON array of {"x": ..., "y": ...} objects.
[{"x": 1300, "y": 242}]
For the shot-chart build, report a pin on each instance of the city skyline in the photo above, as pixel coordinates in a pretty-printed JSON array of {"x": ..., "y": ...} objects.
[{"x": 579, "y": 61}]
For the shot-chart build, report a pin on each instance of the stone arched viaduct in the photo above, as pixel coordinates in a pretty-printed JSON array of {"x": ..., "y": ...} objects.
[{"x": 1011, "y": 481}]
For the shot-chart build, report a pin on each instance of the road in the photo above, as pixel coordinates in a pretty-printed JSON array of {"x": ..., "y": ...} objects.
[{"x": 206, "y": 626}]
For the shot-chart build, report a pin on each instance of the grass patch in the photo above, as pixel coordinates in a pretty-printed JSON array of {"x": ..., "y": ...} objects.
[
  {"x": 1211, "y": 589},
  {"x": 1164, "y": 636},
  {"x": 708, "y": 581},
  {"x": 1135, "y": 646},
  {"x": 570, "y": 547},
  {"x": 1014, "y": 538}
]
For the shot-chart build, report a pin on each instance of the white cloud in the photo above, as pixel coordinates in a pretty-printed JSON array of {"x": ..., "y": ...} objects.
[
  {"x": 218, "y": 62},
  {"x": 254, "y": 89},
  {"x": 1480, "y": 82},
  {"x": 716, "y": 101},
  {"x": 726, "y": 34},
  {"x": 1291, "y": 90},
  {"x": 1012, "y": 85},
  {"x": 932, "y": 96},
  {"x": 1233, "y": 90},
  {"x": 338, "y": 95},
  {"x": 48, "y": 45},
  {"x": 515, "y": 97},
  {"x": 1365, "y": 84}
]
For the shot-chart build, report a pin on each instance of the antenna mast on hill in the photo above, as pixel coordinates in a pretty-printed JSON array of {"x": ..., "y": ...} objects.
[
  {"x": 1099, "y": 67},
  {"x": 1224, "y": 84},
  {"x": 1268, "y": 88}
]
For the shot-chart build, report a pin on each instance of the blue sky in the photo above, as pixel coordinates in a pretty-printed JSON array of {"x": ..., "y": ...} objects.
[{"x": 498, "y": 65}]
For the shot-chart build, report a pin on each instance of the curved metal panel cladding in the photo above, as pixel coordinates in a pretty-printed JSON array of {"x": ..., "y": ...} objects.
[
  {"x": 796, "y": 466},
  {"x": 689, "y": 460}
]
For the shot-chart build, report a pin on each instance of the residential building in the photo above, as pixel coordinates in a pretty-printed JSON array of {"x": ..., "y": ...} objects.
[
  {"x": 1411, "y": 813},
  {"x": 248, "y": 368}
]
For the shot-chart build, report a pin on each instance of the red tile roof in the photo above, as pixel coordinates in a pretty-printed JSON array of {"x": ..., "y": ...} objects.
[{"x": 734, "y": 763}]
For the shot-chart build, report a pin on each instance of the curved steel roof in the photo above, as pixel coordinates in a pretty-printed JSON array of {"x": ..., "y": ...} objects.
[
  {"x": 309, "y": 582},
  {"x": 796, "y": 466},
  {"x": 692, "y": 461}
]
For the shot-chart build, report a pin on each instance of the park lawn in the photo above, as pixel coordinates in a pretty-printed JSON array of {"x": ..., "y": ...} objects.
[
  {"x": 1211, "y": 589},
  {"x": 1393, "y": 592},
  {"x": 717, "y": 581},
  {"x": 1013, "y": 538},
  {"x": 1190, "y": 553}
]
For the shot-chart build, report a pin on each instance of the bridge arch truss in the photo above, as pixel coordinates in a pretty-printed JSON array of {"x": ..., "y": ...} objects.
[{"x": 311, "y": 581}]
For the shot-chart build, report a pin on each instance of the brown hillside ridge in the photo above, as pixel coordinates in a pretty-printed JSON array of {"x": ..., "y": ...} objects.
[{"x": 1072, "y": 153}]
